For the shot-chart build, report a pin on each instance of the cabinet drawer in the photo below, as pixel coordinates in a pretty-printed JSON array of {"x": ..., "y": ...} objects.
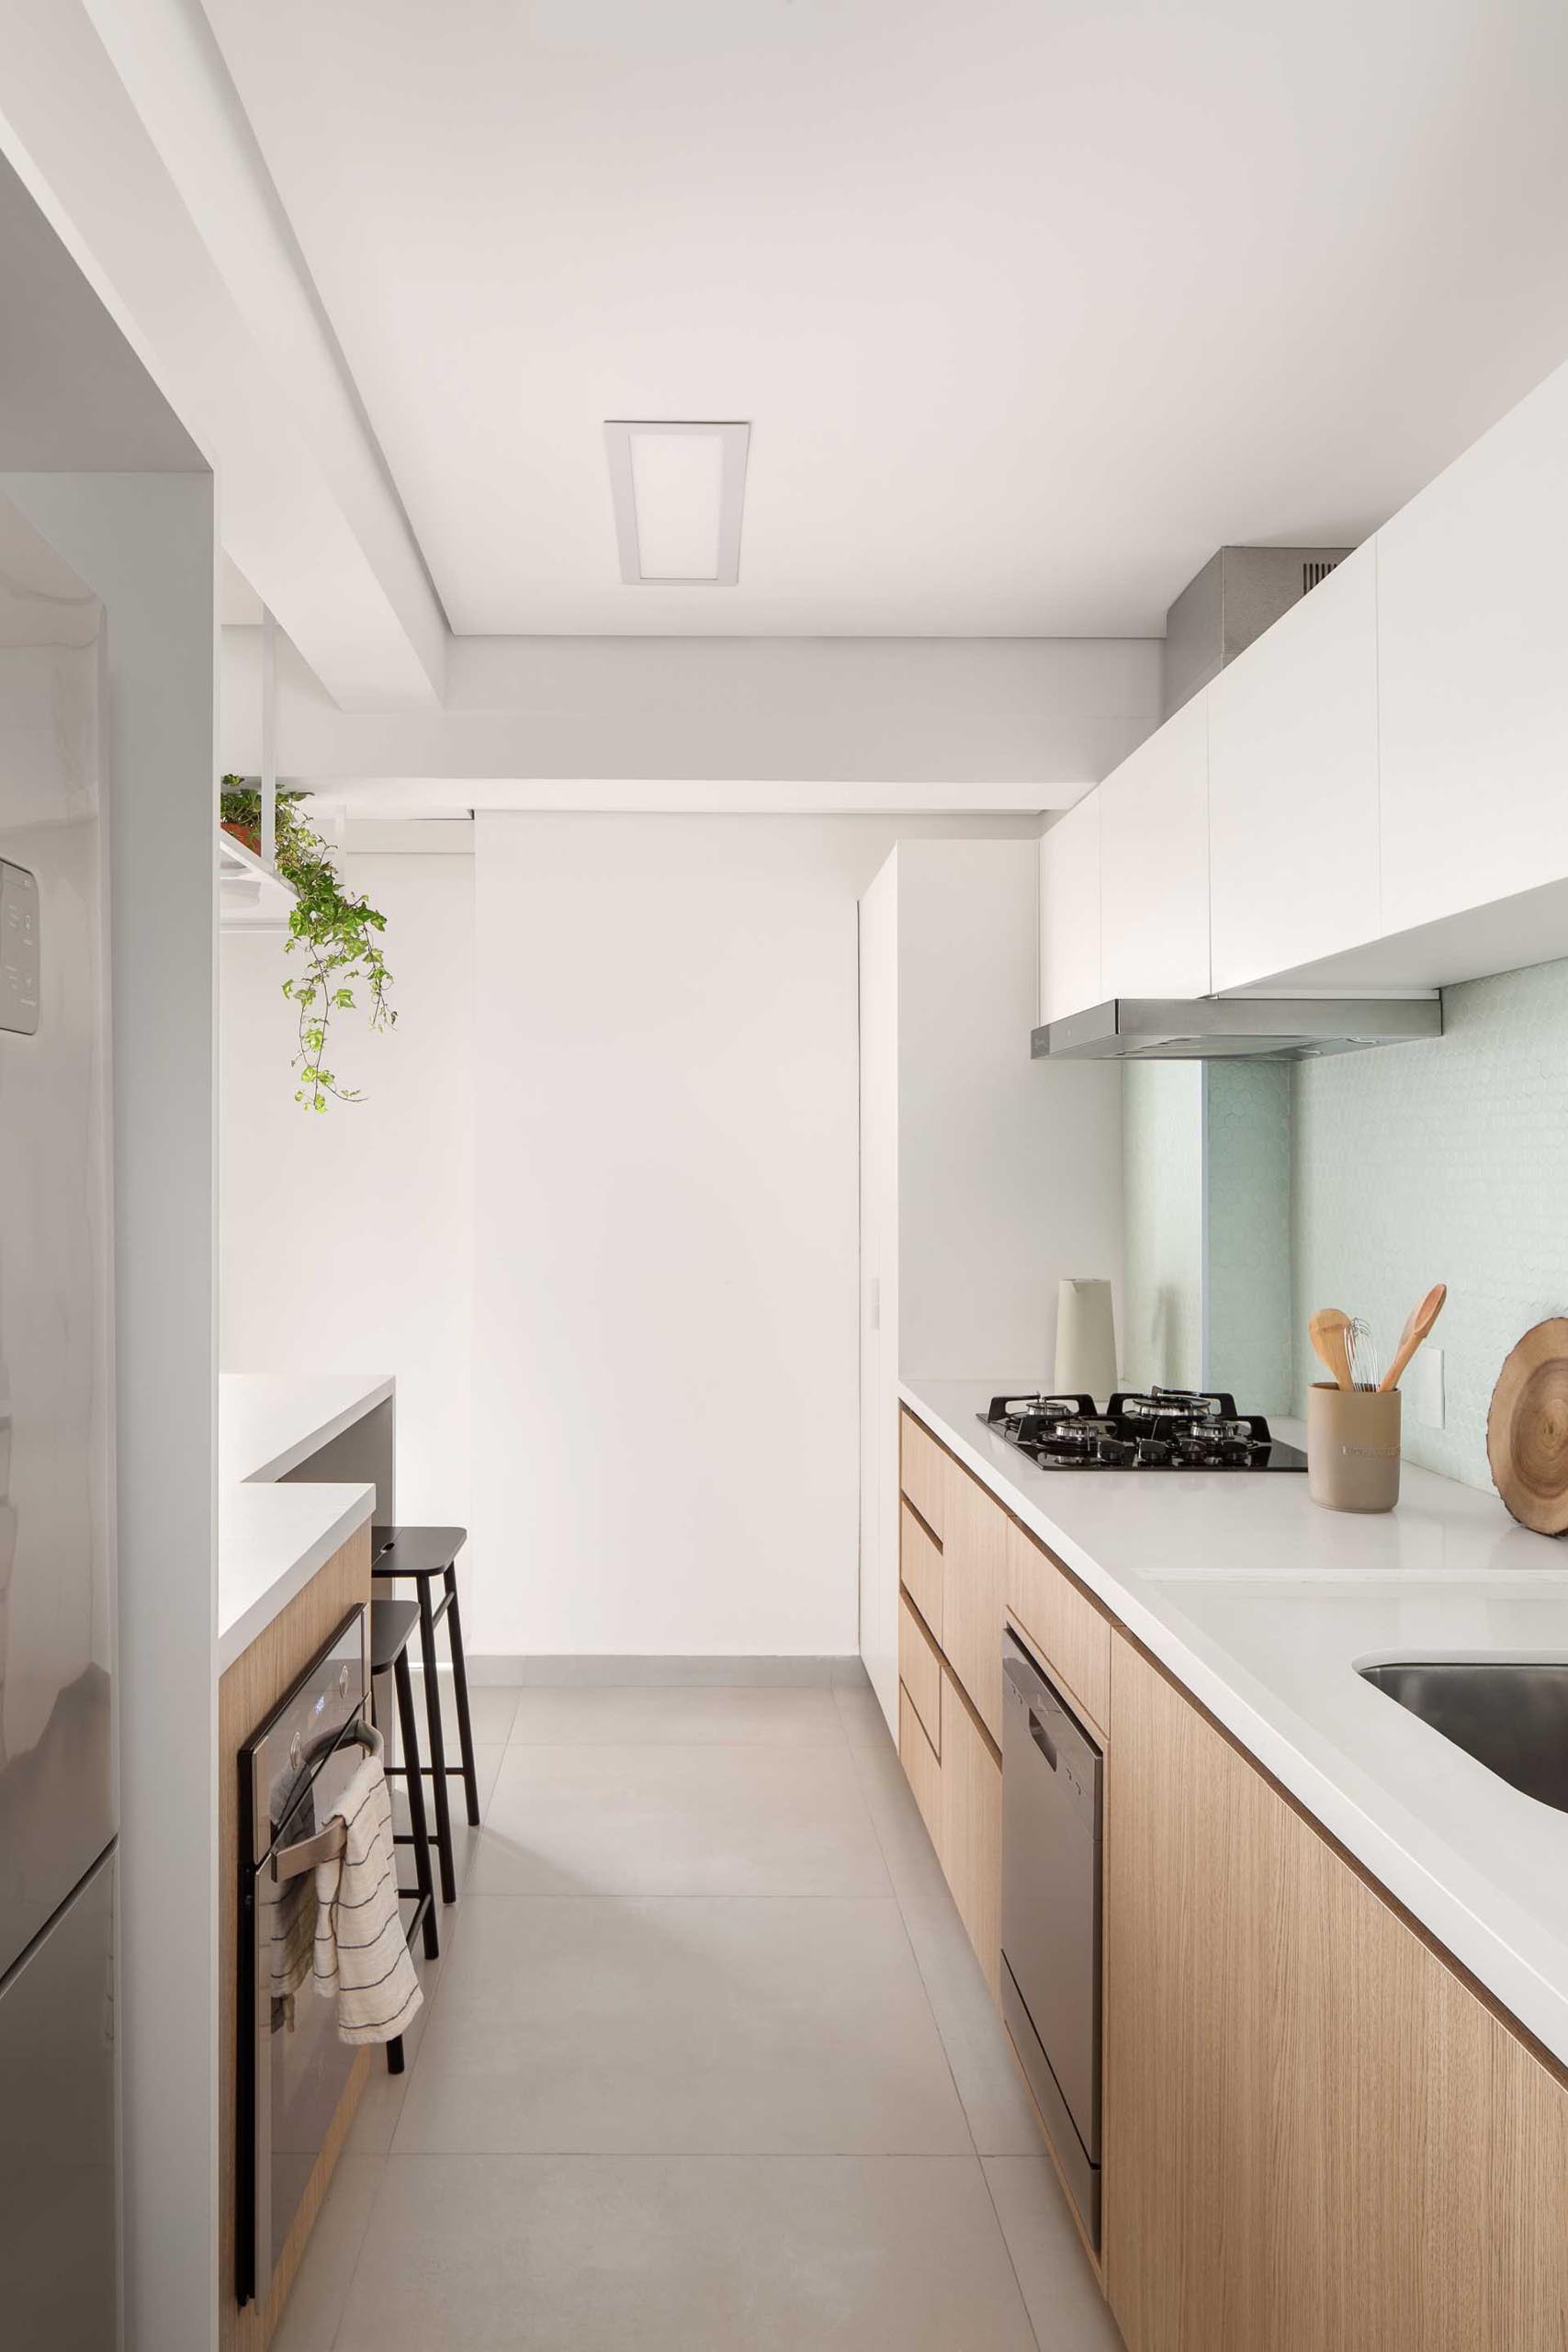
[
  {"x": 923, "y": 1473},
  {"x": 919, "y": 1568},
  {"x": 919, "y": 1671},
  {"x": 1072, "y": 1637},
  {"x": 922, "y": 1769},
  {"x": 970, "y": 1841},
  {"x": 973, "y": 1593}
]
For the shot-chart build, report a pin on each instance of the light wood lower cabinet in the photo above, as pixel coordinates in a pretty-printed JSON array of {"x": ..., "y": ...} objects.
[
  {"x": 949, "y": 1664},
  {"x": 975, "y": 1592},
  {"x": 1071, "y": 1637},
  {"x": 959, "y": 1793},
  {"x": 920, "y": 1670},
  {"x": 922, "y": 1767},
  {"x": 1317, "y": 2138},
  {"x": 920, "y": 1568},
  {"x": 923, "y": 1474},
  {"x": 969, "y": 1844}
]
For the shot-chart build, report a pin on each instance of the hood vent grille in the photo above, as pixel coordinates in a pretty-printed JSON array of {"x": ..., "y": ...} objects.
[
  {"x": 1202, "y": 1029},
  {"x": 1239, "y": 593}
]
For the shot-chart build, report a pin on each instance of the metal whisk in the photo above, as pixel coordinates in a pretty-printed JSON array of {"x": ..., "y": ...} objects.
[{"x": 1365, "y": 1369}]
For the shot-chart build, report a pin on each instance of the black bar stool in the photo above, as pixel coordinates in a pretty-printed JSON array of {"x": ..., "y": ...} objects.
[
  {"x": 391, "y": 1629},
  {"x": 420, "y": 1555}
]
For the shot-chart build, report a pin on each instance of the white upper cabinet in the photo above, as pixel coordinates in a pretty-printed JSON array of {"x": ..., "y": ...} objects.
[
  {"x": 1069, "y": 911},
  {"x": 1153, "y": 863},
  {"x": 1293, "y": 784},
  {"x": 1473, "y": 651}
]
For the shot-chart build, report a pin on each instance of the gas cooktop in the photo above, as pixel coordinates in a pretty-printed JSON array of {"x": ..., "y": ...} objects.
[{"x": 1161, "y": 1429}]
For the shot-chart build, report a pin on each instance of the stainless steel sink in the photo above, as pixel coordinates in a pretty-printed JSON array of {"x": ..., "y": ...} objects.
[{"x": 1511, "y": 1714}]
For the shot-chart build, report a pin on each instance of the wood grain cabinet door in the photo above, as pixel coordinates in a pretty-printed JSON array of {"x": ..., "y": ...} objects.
[
  {"x": 1071, "y": 1636},
  {"x": 920, "y": 1670},
  {"x": 975, "y": 1593},
  {"x": 969, "y": 1844},
  {"x": 1317, "y": 2138},
  {"x": 923, "y": 1473},
  {"x": 921, "y": 1768},
  {"x": 919, "y": 1568}
]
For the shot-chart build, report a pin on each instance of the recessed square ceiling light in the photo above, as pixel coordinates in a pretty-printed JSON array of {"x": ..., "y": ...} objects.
[{"x": 677, "y": 488}]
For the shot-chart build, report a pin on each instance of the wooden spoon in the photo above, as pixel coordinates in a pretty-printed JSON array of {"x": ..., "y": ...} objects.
[
  {"x": 1417, "y": 1324},
  {"x": 1330, "y": 1333}
]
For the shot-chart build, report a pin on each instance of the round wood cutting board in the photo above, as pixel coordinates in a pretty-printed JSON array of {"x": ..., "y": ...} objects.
[{"x": 1526, "y": 1429}]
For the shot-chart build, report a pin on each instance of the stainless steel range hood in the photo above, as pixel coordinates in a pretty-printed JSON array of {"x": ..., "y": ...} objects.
[{"x": 1202, "y": 1029}]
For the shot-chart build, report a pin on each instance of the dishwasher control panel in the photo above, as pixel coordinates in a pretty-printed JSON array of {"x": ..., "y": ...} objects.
[{"x": 18, "y": 950}]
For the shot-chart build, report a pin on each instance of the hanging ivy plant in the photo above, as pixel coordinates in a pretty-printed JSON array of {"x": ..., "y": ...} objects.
[{"x": 337, "y": 931}]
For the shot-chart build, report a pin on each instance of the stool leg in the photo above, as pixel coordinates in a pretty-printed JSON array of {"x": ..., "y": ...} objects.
[
  {"x": 438, "y": 1742},
  {"x": 408, "y": 1732},
  {"x": 460, "y": 1689}
]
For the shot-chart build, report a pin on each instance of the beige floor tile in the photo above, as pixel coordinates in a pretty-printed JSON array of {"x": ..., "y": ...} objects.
[
  {"x": 310, "y": 2316},
  {"x": 1000, "y": 2112},
  {"x": 491, "y": 1707},
  {"x": 1060, "y": 2288},
  {"x": 691, "y": 2024},
  {"x": 904, "y": 1841},
  {"x": 465, "y": 1839},
  {"x": 860, "y": 1712},
  {"x": 736, "y": 2254},
  {"x": 761, "y": 1716},
  {"x": 1002, "y": 2117},
  {"x": 381, "y": 2101},
  {"x": 652, "y": 1820}
]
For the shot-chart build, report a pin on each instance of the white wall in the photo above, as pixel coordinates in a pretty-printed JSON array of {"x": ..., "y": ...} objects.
[
  {"x": 878, "y": 1375},
  {"x": 985, "y": 1177},
  {"x": 346, "y": 1238},
  {"x": 1010, "y": 1171},
  {"x": 666, "y": 1357}
]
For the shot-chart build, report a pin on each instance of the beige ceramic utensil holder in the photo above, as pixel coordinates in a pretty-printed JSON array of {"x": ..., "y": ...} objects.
[{"x": 1352, "y": 1447}]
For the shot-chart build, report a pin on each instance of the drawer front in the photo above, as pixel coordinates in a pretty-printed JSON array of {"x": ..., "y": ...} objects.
[
  {"x": 919, "y": 1568},
  {"x": 1072, "y": 1638},
  {"x": 973, "y": 1593},
  {"x": 970, "y": 1840},
  {"x": 923, "y": 1473},
  {"x": 922, "y": 1769},
  {"x": 919, "y": 1671}
]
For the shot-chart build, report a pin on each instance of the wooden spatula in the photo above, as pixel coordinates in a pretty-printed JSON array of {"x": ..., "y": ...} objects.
[
  {"x": 1417, "y": 1324},
  {"x": 1330, "y": 1332}
]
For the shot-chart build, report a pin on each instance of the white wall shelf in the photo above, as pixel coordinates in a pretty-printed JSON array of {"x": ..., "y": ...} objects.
[{"x": 251, "y": 895}]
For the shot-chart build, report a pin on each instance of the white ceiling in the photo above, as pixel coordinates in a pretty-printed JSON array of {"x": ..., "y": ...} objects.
[{"x": 1031, "y": 303}]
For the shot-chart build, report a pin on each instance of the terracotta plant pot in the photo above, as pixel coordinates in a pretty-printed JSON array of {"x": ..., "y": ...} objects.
[{"x": 249, "y": 834}]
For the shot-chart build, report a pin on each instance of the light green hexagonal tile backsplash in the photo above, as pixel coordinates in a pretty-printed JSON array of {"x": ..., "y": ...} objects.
[{"x": 1256, "y": 1192}]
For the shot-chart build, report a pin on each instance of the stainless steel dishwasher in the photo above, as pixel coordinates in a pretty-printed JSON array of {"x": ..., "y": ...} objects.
[{"x": 1052, "y": 1771}]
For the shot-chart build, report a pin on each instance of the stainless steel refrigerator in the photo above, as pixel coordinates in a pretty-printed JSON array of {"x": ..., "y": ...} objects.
[{"x": 58, "y": 2111}]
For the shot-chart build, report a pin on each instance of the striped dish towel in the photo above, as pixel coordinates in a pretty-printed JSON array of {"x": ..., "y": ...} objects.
[{"x": 361, "y": 1957}]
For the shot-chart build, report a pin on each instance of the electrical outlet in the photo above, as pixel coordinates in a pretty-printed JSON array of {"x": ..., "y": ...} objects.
[{"x": 1427, "y": 1376}]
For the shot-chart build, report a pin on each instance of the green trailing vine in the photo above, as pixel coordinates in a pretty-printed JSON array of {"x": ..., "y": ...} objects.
[{"x": 338, "y": 932}]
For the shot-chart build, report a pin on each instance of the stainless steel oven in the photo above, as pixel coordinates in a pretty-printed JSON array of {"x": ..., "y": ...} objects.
[
  {"x": 292, "y": 2068},
  {"x": 1052, "y": 1772}
]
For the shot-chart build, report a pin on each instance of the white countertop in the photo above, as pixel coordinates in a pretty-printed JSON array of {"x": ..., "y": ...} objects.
[
  {"x": 272, "y": 1538},
  {"x": 1262, "y": 1605}
]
